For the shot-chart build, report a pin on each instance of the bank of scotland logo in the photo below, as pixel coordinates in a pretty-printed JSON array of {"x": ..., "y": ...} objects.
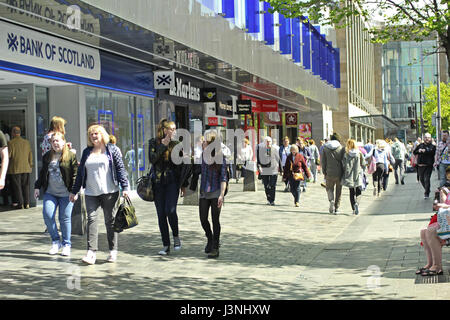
[{"x": 13, "y": 43}]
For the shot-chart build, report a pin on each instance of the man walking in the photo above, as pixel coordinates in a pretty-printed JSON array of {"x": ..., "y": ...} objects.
[
  {"x": 425, "y": 159},
  {"x": 19, "y": 169},
  {"x": 269, "y": 164},
  {"x": 441, "y": 160},
  {"x": 331, "y": 162},
  {"x": 398, "y": 152}
]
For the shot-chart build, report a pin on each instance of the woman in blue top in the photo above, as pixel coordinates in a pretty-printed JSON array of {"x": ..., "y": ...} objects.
[
  {"x": 214, "y": 180},
  {"x": 381, "y": 159}
]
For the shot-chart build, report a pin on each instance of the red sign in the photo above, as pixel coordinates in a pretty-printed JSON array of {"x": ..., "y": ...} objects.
[
  {"x": 269, "y": 106},
  {"x": 213, "y": 121},
  {"x": 224, "y": 122},
  {"x": 291, "y": 118}
]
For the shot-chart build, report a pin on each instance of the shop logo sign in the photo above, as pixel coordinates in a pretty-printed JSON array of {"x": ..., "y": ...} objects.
[
  {"x": 12, "y": 42},
  {"x": 25, "y": 47},
  {"x": 164, "y": 79},
  {"x": 186, "y": 91}
]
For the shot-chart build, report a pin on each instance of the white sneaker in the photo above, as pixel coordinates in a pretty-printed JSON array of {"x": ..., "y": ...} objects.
[
  {"x": 66, "y": 251},
  {"x": 176, "y": 243},
  {"x": 56, "y": 245},
  {"x": 90, "y": 257},
  {"x": 112, "y": 256}
]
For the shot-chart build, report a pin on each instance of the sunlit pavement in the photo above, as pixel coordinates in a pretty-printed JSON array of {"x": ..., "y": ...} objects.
[{"x": 266, "y": 252}]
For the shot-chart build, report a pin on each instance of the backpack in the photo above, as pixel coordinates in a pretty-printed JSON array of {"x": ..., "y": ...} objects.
[{"x": 396, "y": 151}]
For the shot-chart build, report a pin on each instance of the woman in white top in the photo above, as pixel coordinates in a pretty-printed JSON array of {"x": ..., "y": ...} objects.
[
  {"x": 101, "y": 171},
  {"x": 245, "y": 154}
]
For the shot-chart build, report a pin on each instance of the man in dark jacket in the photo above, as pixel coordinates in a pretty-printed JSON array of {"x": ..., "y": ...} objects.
[
  {"x": 425, "y": 160},
  {"x": 331, "y": 160}
]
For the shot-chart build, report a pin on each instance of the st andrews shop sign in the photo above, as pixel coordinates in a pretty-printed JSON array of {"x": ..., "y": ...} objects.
[{"x": 26, "y": 47}]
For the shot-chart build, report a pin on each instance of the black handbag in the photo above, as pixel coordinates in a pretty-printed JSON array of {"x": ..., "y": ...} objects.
[
  {"x": 144, "y": 187},
  {"x": 125, "y": 216}
]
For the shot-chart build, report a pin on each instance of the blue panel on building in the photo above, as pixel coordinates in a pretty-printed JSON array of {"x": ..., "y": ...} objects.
[
  {"x": 268, "y": 25},
  {"x": 296, "y": 40},
  {"x": 117, "y": 74},
  {"x": 285, "y": 35},
  {"x": 228, "y": 8},
  {"x": 315, "y": 52},
  {"x": 252, "y": 16},
  {"x": 306, "y": 45}
]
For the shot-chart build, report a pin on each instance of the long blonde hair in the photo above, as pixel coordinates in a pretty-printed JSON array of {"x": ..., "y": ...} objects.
[
  {"x": 351, "y": 144},
  {"x": 165, "y": 124},
  {"x": 65, "y": 156},
  {"x": 100, "y": 129}
]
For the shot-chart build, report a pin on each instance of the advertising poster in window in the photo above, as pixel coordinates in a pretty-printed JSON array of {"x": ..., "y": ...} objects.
[{"x": 305, "y": 130}]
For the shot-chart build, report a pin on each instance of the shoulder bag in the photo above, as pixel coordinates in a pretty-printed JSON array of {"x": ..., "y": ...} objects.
[
  {"x": 298, "y": 176},
  {"x": 145, "y": 187}
]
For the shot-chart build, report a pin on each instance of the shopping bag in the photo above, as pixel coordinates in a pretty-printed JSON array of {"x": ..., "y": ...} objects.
[
  {"x": 125, "y": 216},
  {"x": 443, "y": 219}
]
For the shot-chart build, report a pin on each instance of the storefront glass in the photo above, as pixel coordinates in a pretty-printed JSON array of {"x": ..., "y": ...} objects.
[
  {"x": 117, "y": 113},
  {"x": 42, "y": 120}
]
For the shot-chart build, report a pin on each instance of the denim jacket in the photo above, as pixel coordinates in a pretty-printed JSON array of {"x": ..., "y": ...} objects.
[{"x": 116, "y": 166}]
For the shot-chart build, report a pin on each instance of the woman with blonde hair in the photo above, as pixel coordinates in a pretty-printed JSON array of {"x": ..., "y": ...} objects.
[
  {"x": 214, "y": 180},
  {"x": 245, "y": 155},
  {"x": 167, "y": 182},
  {"x": 56, "y": 178},
  {"x": 353, "y": 167},
  {"x": 100, "y": 173}
]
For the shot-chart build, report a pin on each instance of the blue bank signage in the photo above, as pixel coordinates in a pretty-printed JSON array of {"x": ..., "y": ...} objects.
[{"x": 26, "y": 47}]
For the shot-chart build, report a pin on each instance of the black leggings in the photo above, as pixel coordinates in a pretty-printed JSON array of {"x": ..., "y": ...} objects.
[
  {"x": 354, "y": 194},
  {"x": 204, "y": 206},
  {"x": 378, "y": 176}
]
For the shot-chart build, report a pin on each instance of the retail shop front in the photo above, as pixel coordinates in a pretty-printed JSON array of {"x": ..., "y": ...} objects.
[
  {"x": 43, "y": 75},
  {"x": 182, "y": 104}
]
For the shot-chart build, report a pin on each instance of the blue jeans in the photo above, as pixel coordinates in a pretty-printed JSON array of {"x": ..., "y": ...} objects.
[
  {"x": 295, "y": 189},
  {"x": 51, "y": 203},
  {"x": 442, "y": 176}
]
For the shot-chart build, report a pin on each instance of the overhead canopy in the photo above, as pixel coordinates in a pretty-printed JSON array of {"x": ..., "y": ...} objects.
[{"x": 379, "y": 121}]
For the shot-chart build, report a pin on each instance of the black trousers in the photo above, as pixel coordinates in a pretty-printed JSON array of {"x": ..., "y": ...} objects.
[
  {"x": 20, "y": 188},
  {"x": 354, "y": 194},
  {"x": 377, "y": 176},
  {"x": 204, "y": 206},
  {"x": 425, "y": 177},
  {"x": 270, "y": 185}
]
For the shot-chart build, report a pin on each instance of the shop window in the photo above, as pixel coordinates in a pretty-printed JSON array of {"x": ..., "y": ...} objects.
[{"x": 130, "y": 119}]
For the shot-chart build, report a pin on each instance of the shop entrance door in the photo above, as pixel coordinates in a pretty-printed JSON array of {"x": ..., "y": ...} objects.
[{"x": 15, "y": 103}]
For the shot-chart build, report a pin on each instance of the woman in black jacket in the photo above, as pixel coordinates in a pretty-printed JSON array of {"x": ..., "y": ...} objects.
[
  {"x": 56, "y": 178},
  {"x": 167, "y": 178}
]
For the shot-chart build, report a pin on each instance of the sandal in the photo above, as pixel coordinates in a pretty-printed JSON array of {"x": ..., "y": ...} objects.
[
  {"x": 432, "y": 273},
  {"x": 421, "y": 270}
]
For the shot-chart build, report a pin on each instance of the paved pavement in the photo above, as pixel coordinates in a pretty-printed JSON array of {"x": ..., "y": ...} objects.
[{"x": 280, "y": 252}]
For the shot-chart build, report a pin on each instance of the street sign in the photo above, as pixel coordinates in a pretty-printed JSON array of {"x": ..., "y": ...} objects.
[{"x": 164, "y": 79}]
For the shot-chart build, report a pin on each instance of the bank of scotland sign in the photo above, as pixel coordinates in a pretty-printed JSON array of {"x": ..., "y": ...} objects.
[{"x": 30, "y": 48}]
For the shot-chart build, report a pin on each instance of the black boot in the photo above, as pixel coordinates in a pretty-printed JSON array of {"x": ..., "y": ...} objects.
[
  {"x": 209, "y": 245},
  {"x": 215, "y": 249}
]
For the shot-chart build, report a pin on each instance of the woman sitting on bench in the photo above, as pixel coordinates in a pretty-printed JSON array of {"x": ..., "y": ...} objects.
[{"x": 431, "y": 242}]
